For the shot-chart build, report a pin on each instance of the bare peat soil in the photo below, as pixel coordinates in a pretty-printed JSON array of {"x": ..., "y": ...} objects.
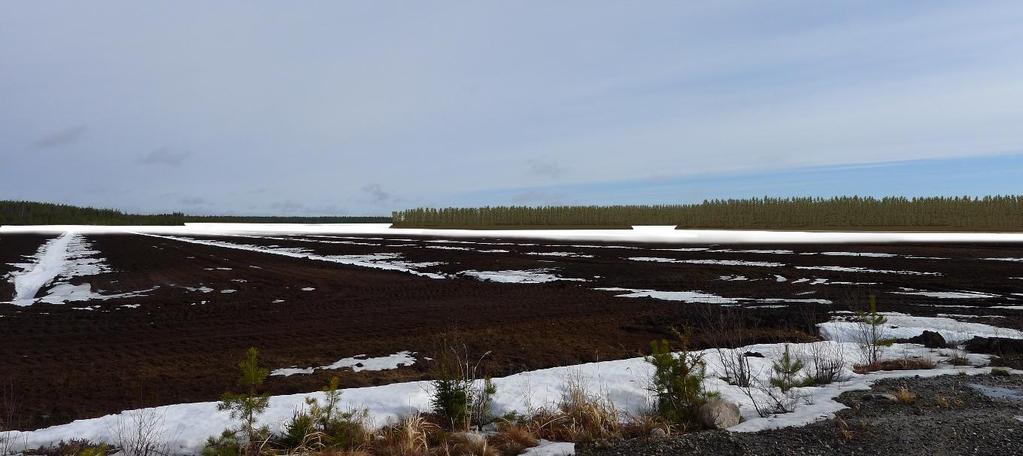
[{"x": 181, "y": 341}]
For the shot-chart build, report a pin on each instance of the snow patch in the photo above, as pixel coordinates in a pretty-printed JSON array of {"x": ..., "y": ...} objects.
[
  {"x": 356, "y": 363},
  {"x": 766, "y": 264},
  {"x": 524, "y": 276},
  {"x": 866, "y": 270}
]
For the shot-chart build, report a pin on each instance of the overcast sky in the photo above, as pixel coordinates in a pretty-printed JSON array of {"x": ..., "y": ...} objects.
[{"x": 364, "y": 107}]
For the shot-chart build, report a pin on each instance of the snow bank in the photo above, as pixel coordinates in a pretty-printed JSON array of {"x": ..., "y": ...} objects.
[
  {"x": 57, "y": 261},
  {"x": 903, "y": 326},
  {"x": 625, "y": 382},
  {"x": 49, "y": 263}
]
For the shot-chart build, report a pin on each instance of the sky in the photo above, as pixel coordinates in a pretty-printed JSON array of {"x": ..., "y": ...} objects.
[{"x": 334, "y": 108}]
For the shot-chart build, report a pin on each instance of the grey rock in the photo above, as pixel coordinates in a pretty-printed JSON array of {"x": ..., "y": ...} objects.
[{"x": 719, "y": 414}]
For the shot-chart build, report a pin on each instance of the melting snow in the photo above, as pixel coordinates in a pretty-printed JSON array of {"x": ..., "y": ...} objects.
[
  {"x": 860, "y": 254},
  {"x": 59, "y": 260},
  {"x": 624, "y": 382},
  {"x": 356, "y": 363},
  {"x": 387, "y": 261},
  {"x": 866, "y": 270},
  {"x": 903, "y": 326},
  {"x": 766, "y": 264},
  {"x": 561, "y": 254},
  {"x": 702, "y": 297},
  {"x": 526, "y": 276},
  {"x": 733, "y": 278},
  {"x": 945, "y": 294}
]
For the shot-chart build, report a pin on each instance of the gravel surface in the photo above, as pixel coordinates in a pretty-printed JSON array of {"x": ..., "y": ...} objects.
[{"x": 984, "y": 416}]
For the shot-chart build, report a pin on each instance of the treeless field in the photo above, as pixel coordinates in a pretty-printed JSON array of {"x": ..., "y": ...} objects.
[{"x": 180, "y": 341}]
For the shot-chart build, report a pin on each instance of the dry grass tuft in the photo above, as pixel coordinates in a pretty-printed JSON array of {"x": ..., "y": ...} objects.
[
  {"x": 513, "y": 439},
  {"x": 957, "y": 358},
  {"x": 895, "y": 364},
  {"x": 466, "y": 444},
  {"x": 643, "y": 425},
  {"x": 842, "y": 429},
  {"x": 905, "y": 396},
  {"x": 579, "y": 417},
  {"x": 409, "y": 437}
]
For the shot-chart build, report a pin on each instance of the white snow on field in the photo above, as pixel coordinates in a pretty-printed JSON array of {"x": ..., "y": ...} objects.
[
  {"x": 823, "y": 281},
  {"x": 1015, "y": 260},
  {"x": 866, "y": 270},
  {"x": 200, "y": 289},
  {"x": 945, "y": 294},
  {"x": 524, "y": 276},
  {"x": 594, "y": 246},
  {"x": 903, "y": 326},
  {"x": 733, "y": 278},
  {"x": 356, "y": 363},
  {"x": 386, "y": 261},
  {"x": 446, "y": 247},
  {"x": 625, "y": 382},
  {"x": 969, "y": 316},
  {"x": 697, "y": 297},
  {"x": 638, "y": 234},
  {"x": 561, "y": 254},
  {"x": 702, "y": 297},
  {"x": 65, "y": 292},
  {"x": 59, "y": 260},
  {"x": 793, "y": 300},
  {"x": 860, "y": 254},
  {"x": 780, "y": 278},
  {"x": 49, "y": 262},
  {"x": 766, "y": 264},
  {"x": 754, "y": 251}
]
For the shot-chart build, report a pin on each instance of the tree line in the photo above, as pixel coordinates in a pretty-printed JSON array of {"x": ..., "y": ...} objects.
[
  {"x": 989, "y": 213},
  {"x": 35, "y": 213}
]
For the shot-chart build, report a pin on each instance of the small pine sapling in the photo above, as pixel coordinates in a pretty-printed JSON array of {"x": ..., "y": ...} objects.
[
  {"x": 249, "y": 405},
  {"x": 678, "y": 381},
  {"x": 786, "y": 370}
]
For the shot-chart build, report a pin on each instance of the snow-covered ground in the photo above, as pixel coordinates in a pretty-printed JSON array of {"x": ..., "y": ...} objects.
[
  {"x": 55, "y": 263},
  {"x": 665, "y": 234}
]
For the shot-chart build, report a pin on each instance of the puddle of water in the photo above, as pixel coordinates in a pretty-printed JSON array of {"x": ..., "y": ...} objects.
[{"x": 997, "y": 392}]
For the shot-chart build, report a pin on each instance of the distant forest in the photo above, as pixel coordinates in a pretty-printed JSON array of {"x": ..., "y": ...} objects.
[
  {"x": 33, "y": 213},
  {"x": 992, "y": 213}
]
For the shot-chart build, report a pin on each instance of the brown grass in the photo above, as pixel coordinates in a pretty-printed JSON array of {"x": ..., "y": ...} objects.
[
  {"x": 957, "y": 358},
  {"x": 905, "y": 396},
  {"x": 409, "y": 437},
  {"x": 513, "y": 439},
  {"x": 579, "y": 417},
  {"x": 842, "y": 429},
  {"x": 895, "y": 364}
]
